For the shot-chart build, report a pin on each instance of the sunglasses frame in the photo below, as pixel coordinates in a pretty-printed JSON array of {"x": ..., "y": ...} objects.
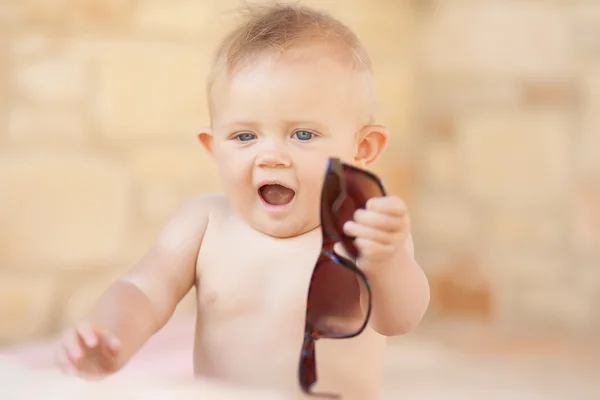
[{"x": 307, "y": 368}]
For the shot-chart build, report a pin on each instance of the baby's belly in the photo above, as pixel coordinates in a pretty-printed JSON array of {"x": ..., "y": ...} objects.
[
  {"x": 256, "y": 351},
  {"x": 248, "y": 350}
]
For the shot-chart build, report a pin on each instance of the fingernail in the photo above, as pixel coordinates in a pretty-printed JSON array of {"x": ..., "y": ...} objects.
[
  {"x": 91, "y": 340},
  {"x": 114, "y": 343},
  {"x": 76, "y": 353}
]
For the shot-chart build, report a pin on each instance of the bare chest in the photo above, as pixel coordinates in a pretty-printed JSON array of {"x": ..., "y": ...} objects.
[
  {"x": 251, "y": 302},
  {"x": 252, "y": 297},
  {"x": 255, "y": 275}
]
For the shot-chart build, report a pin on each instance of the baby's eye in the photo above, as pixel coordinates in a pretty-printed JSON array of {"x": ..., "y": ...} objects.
[
  {"x": 304, "y": 135},
  {"x": 245, "y": 136}
]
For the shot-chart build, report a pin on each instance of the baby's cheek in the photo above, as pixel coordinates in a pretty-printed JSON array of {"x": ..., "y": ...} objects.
[
  {"x": 236, "y": 184},
  {"x": 312, "y": 193}
]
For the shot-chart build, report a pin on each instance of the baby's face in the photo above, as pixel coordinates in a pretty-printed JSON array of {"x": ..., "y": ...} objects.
[{"x": 275, "y": 124}]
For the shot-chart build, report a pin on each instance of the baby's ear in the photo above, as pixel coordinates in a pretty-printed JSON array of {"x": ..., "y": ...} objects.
[
  {"x": 205, "y": 136},
  {"x": 372, "y": 141}
]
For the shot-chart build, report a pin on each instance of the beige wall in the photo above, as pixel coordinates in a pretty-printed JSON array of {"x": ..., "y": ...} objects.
[{"x": 496, "y": 146}]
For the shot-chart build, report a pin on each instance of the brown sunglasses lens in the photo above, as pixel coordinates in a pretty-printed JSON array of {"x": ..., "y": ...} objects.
[
  {"x": 334, "y": 307},
  {"x": 360, "y": 187}
]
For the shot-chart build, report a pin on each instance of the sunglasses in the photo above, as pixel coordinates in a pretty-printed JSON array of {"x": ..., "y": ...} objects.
[{"x": 339, "y": 296}]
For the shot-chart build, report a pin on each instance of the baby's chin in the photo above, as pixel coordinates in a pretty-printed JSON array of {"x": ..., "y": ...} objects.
[{"x": 283, "y": 229}]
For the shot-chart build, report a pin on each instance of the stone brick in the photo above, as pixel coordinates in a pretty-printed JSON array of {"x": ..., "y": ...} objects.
[
  {"x": 446, "y": 219},
  {"x": 518, "y": 229},
  {"x": 521, "y": 268},
  {"x": 586, "y": 218},
  {"x": 9, "y": 11},
  {"x": 584, "y": 277},
  {"x": 4, "y": 84},
  {"x": 557, "y": 94},
  {"x": 93, "y": 15},
  {"x": 168, "y": 176},
  {"x": 588, "y": 142},
  {"x": 440, "y": 166},
  {"x": 183, "y": 164},
  {"x": 29, "y": 47},
  {"x": 497, "y": 39},
  {"x": 514, "y": 273},
  {"x": 556, "y": 307},
  {"x": 56, "y": 78},
  {"x": 585, "y": 19},
  {"x": 439, "y": 127},
  {"x": 516, "y": 158},
  {"x": 149, "y": 91},
  {"x": 378, "y": 25},
  {"x": 397, "y": 176},
  {"x": 462, "y": 289},
  {"x": 27, "y": 305},
  {"x": 62, "y": 210},
  {"x": 46, "y": 127},
  {"x": 67, "y": 15},
  {"x": 381, "y": 19},
  {"x": 587, "y": 282},
  {"x": 395, "y": 91},
  {"x": 51, "y": 70},
  {"x": 432, "y": 256},
  {"x": 181, "y": 18},
  {"x": 454, "y": 96},
  {"x": 39, "y": 15}
]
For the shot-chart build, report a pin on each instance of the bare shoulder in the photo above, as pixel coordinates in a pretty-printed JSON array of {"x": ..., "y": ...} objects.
[
  {"x": 188, "y": 223},
  {"x": 167, "y": 271}
]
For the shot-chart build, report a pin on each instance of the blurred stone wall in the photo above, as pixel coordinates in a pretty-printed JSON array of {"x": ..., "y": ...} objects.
[
  {"x": 496, "y": 147},
  {"x": 507, "y": 157}
]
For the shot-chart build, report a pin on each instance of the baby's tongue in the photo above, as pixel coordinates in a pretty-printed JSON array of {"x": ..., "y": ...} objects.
[{"x": 276, "y": 195}]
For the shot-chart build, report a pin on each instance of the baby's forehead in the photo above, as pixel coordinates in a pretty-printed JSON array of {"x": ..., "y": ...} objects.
[
  {"x": 297, "y": 59},
  {"x": 315, "y": 67}
]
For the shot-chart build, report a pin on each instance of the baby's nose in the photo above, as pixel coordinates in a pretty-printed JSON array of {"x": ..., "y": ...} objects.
[
  {"x": 273, "y": 159},
  {"x": 273, "y": 155}
]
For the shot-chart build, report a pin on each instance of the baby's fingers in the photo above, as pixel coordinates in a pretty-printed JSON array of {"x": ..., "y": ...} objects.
[
  {"x": 88, "y": 334},
  {"x": 113, "y": 344},
  {"x": 94, "y": 336},
  {"x": 63, "y": 361},
  {"x": 358, "y": 230},
  {"x": 73, "y": 346}
]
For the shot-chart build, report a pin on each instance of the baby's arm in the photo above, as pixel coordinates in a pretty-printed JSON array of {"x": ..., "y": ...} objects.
[
  {"x": 400, "y": 288},
  {"x": 140, "y": 303},
  {"x": 400, "y": 292}
]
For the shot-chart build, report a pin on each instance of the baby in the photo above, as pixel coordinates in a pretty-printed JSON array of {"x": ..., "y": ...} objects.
[{"x": 289, "y": 88}]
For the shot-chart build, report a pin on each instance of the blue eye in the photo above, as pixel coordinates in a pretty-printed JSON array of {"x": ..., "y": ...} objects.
[
  {"x": 304, "y": 135},
  {"x": 245, "y": 136}
]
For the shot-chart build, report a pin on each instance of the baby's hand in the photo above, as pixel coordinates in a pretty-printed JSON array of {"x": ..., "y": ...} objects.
[
  {"x": 380, "y": 230},
  {"x": 88, "y": 350}
]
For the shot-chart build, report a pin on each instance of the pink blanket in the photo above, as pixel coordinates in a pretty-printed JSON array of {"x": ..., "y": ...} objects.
[{"x": 168, "y": 354}]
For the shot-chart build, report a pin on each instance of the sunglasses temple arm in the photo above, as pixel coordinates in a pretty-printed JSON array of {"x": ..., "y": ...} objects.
[{"x": 308, "y": 365}]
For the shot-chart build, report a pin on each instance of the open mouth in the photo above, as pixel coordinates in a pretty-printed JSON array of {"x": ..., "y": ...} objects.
[{"x": 276, "y": 195}]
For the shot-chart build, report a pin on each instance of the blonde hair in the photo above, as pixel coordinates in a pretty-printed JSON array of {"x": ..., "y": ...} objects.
[{"x": 272, "y": 29}]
